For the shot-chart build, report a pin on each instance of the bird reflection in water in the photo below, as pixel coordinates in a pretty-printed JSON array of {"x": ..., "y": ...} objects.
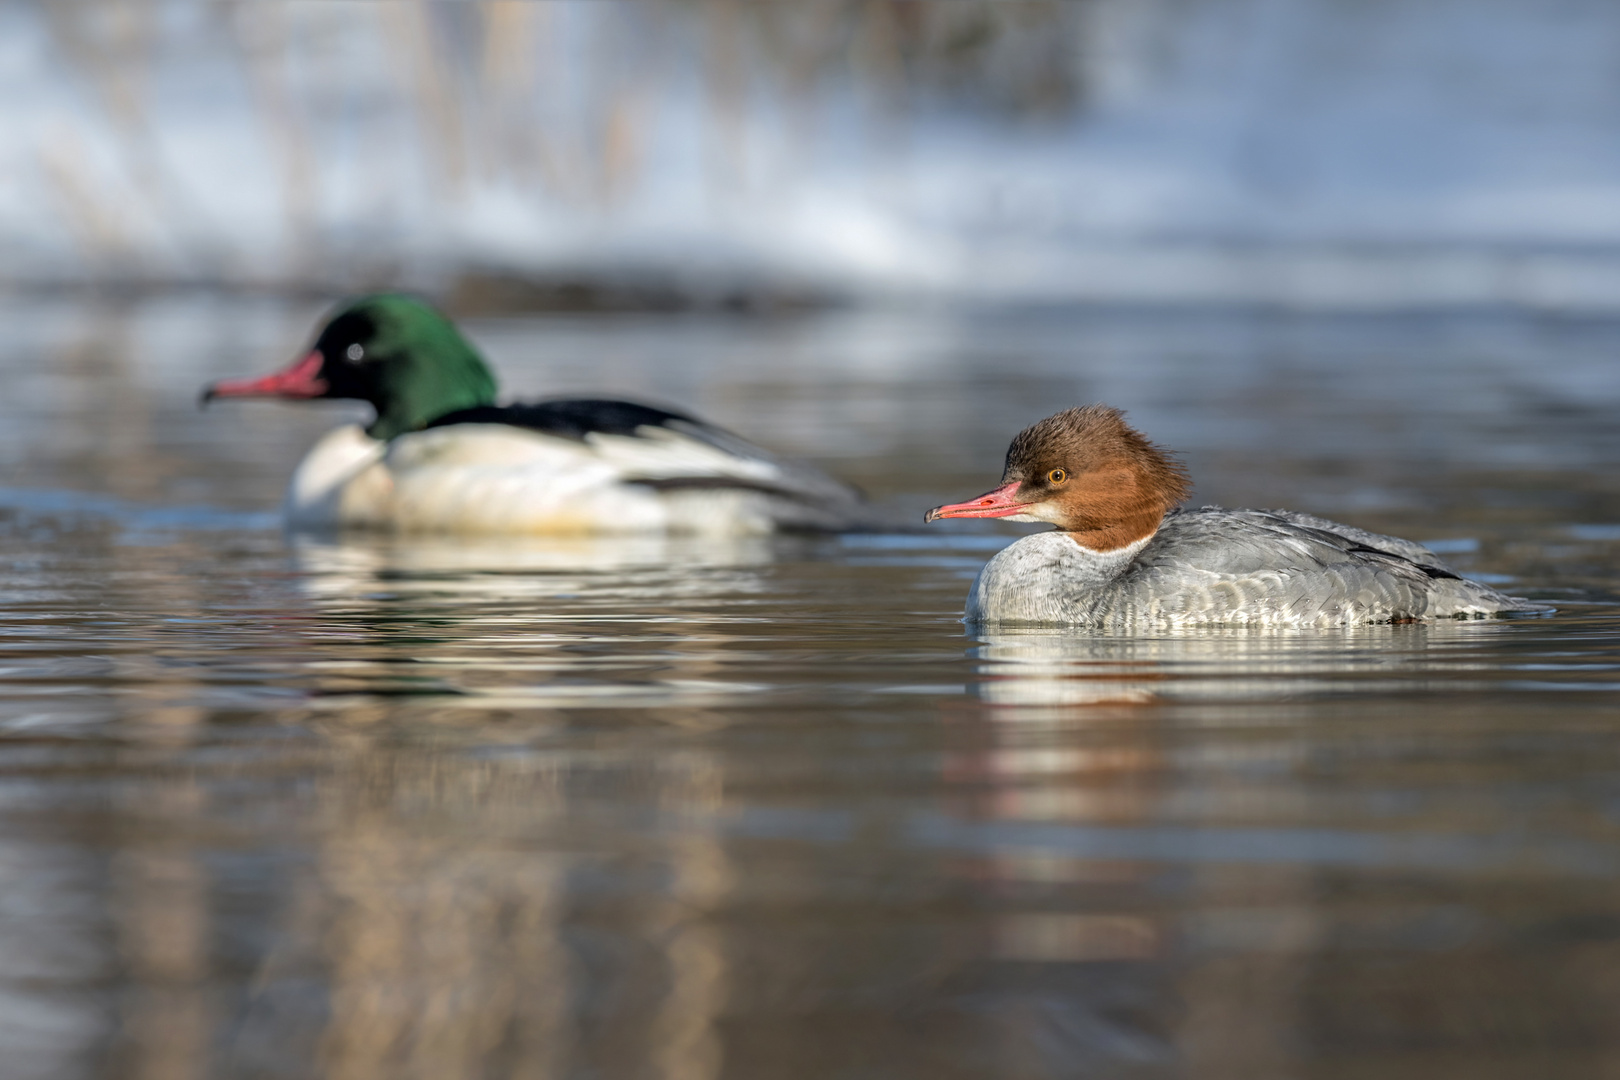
[
  {"x": 1064, "y": 744},
  {"x": 491, "y": 623},
  {"x": 470, "y": 914},
  {"x": 1066, "y": 786},
  {"x": 1061, "y": 669},
  {"x": 654, "y": 568},
  {"x": 443, "y": 906}
]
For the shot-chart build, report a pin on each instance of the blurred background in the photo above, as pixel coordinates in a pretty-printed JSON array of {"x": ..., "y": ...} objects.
[{"x": 715, "y": 152}]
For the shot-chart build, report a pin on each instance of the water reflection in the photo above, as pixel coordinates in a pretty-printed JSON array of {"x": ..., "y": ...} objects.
[
  {"x": 446, "y": 570},
  {"x": 1179, "y": 810},
  {"x": 1068, "y": 744},
  {"x": 394, "y": 807},
  {"x": 161, "y": 900},
  {"x": 480, "y": 915},
  {"x": 1059, "y": 669},
  {"x": 519, "y": 624}
]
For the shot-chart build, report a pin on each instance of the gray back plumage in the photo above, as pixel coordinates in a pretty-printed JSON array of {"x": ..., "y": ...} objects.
[{"x": 1216, "y": 566}]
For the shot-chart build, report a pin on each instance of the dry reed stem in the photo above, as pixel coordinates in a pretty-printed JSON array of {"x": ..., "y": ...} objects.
[
  {"x": 501, "y": 92},
  {"x": 84, "y": 201}
]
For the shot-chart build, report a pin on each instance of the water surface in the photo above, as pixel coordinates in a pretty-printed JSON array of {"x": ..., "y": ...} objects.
[{"x": 275, "y": 806}]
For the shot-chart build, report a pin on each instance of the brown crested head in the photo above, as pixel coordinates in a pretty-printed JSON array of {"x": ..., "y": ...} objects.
[{"x": 1089, "y": 473}]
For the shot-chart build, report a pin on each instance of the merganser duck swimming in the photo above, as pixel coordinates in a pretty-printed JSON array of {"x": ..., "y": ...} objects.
[
  {"x": 1122, "y": 558},
  {"x": 441, "y": 456}
]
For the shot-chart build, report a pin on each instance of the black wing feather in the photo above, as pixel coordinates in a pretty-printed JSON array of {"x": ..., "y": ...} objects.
[
  {"x": 572, "y": 419},
  {"x": 826, "y": 502},
  {"x": 1432, "y": 571}
]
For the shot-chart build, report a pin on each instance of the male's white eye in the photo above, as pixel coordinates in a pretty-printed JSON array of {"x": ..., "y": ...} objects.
[{"x": 355, "y": 351}]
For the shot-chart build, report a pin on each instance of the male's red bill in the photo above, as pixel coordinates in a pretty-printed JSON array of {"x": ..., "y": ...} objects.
[
  {"x": 1002, "y": 502},
  {"x": 301, "y": 380}
]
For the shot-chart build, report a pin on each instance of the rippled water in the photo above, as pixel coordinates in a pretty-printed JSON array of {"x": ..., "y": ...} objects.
[{"x": 284, "y": 807}]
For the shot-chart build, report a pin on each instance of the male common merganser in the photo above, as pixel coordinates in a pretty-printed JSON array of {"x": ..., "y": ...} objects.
[
  {"x": 1123, "y": 558},
  {"x": 441, "y": 456}
]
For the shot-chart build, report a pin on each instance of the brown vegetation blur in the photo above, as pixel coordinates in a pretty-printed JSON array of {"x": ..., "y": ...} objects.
[{"x": 557, "y": 102}]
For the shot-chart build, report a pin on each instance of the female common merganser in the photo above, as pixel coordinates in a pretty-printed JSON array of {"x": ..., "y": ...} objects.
[
  {"x": 441, "y": 456},
  {"x": 1123, "y": 558}
]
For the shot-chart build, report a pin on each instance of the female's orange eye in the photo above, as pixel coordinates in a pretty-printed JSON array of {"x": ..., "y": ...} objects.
[{"x": 1056, "y": 476}]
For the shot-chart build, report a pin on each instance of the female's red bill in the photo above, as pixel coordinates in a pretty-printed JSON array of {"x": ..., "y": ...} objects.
[
  {"x": 1001, "y": 502},
  {"x": 301, "y": 380}
]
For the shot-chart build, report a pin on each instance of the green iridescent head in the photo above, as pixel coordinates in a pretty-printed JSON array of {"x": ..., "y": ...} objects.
[{"x": 398, "y": 352}]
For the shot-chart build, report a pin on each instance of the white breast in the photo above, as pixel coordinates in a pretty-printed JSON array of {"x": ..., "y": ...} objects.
[
  {"x": 1046, "y": 579},
  {"x": 494, "y": 478},
  {"x": 319, "y": 486}
]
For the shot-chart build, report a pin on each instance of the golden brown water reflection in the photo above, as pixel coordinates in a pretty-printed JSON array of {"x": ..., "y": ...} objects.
[{"x": 284, "y": 807}]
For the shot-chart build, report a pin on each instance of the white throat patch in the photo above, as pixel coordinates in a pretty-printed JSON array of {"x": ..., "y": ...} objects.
[{"x": 1124, "y": 554}]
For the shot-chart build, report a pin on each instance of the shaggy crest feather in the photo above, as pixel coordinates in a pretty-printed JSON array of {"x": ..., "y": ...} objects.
[{"x": 1116, "y": 486}]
